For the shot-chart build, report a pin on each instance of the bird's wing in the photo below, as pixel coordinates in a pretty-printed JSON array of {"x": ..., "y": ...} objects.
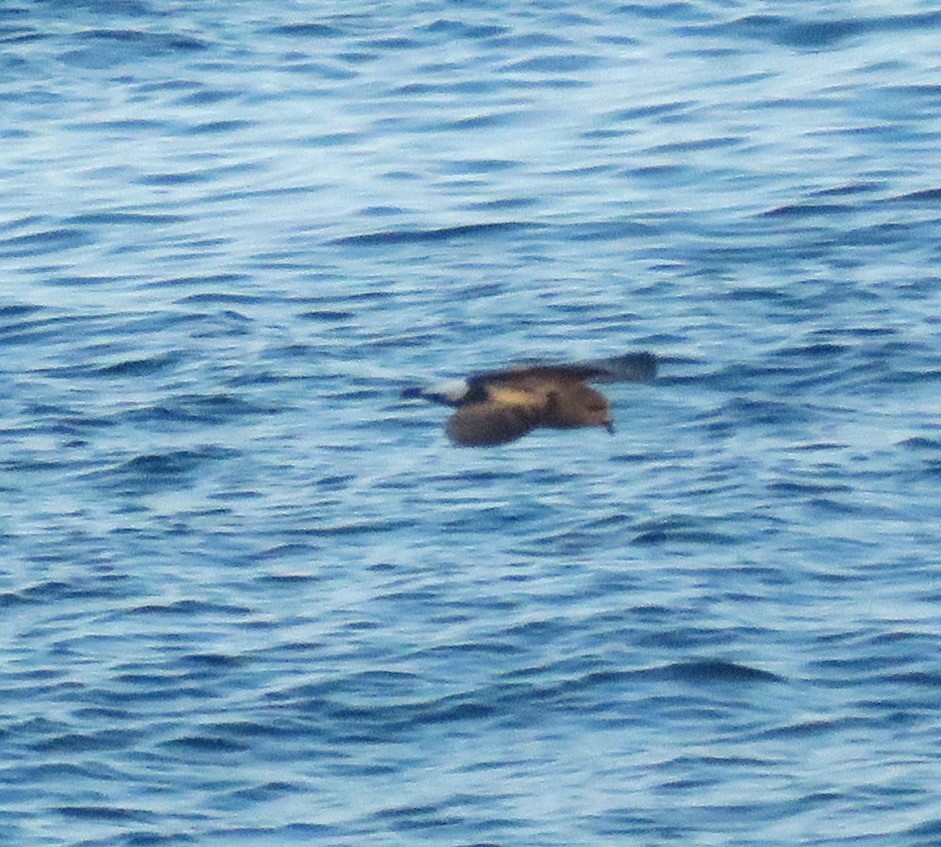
[
  {"x": 492, "y": 422},
  {"x": 452, "y": 396},
  {"x": 629, "y": 367}
]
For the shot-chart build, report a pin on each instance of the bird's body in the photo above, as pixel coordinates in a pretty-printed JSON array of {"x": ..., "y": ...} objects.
[{"x": 500, "y": 406}]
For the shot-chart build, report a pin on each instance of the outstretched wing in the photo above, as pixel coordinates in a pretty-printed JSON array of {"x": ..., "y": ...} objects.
[
  {"x": 490, "y": 422},
  {"x": 629, "y": 367}
]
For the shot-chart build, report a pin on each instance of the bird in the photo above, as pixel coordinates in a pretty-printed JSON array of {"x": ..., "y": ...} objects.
[{"x": 497, "y": 407}]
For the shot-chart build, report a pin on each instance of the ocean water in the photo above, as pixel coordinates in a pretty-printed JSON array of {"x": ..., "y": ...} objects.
[{"x": 249, "y": 595}]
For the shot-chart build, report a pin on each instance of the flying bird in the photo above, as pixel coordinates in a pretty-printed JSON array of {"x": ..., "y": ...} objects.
[{"x": 500, "y": 406}]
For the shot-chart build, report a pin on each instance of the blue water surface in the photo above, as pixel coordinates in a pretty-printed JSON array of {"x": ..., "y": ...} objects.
[{"x": 249, "y": 595}]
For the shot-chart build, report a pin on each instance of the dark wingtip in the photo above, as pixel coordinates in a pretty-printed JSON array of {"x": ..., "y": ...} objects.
[{"x": 640, "y": 366}]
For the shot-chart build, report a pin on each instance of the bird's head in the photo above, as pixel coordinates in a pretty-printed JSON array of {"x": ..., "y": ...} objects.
[
  {"x": 597, "y": 412},
  {"x": 578, "y": 405}
]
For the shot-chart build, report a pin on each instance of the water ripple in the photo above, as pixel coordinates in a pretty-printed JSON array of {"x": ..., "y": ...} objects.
[{"x": 246, "y": 588}]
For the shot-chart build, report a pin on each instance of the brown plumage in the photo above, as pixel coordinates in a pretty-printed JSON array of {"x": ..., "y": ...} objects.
[{"x": 494, "y": 408}]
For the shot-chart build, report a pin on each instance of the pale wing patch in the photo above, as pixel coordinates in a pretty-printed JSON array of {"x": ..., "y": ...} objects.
[{"x": 513, "y": 396}]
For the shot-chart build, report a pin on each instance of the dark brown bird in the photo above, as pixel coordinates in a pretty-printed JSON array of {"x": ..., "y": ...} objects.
[{"x": 497, "y": 407}]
